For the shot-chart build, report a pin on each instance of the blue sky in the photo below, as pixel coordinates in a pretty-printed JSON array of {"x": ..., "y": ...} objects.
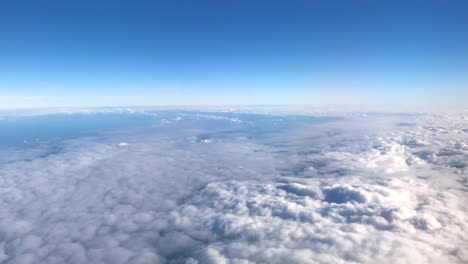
[{"x": 83, "y": 53}]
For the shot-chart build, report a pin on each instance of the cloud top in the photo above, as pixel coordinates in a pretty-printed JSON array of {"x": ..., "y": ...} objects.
[{"x": 238, "y": 188}]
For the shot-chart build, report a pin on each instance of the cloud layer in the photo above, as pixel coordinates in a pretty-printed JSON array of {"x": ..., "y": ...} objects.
[{"x": 239, "y": 188}]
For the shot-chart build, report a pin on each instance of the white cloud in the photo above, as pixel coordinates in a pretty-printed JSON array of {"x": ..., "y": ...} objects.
[{"x": 389, "y": 189}]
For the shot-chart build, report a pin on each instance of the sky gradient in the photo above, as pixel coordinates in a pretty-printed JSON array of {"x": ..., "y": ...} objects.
[{"x": 384, "y": 55}]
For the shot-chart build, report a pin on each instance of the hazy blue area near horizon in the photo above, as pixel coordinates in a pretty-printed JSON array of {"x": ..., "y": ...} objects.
[{"x": 23, "y": 131}]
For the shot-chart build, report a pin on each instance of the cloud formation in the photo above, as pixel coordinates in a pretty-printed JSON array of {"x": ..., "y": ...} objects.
[{"x": 239, "y": 188}]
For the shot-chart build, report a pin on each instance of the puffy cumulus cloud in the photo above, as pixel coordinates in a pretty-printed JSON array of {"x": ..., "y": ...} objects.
[
  {"x": 336, "y": 222},
  {"x": 266, "y": 189}
]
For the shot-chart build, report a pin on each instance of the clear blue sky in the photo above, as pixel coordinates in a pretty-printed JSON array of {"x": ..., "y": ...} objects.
[{"x": 80, "y": 53}]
